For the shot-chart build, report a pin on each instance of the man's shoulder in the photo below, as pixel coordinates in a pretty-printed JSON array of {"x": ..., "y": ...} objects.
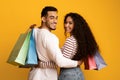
[
  {"x": 52, "y": 37},
  {"x": 45, "y": 34}
]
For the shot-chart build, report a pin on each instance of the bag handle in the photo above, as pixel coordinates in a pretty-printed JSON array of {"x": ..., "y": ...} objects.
[{"x": 30, "y": 28}]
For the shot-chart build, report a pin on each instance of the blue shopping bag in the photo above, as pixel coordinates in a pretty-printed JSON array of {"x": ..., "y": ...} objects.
[{"x": 32, "y": 58}]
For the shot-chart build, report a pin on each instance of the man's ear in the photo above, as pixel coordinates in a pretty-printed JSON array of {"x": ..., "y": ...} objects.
[{"x": 43, "y": 19}]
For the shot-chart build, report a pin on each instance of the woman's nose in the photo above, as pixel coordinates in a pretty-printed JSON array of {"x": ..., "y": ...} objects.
[{"x": 66, "y": 25}]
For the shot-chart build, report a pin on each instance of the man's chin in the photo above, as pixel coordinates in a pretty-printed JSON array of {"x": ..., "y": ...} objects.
[{"x": 52, "y": 28}]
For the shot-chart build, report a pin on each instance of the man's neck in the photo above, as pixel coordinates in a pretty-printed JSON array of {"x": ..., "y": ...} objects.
[{"x": 45, "y": 27}]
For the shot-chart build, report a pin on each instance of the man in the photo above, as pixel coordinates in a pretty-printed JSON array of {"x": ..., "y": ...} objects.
[{"x": 47, "y": 46}]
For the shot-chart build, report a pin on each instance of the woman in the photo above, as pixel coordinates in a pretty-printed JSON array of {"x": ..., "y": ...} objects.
[{"x": 78, "y": 46}]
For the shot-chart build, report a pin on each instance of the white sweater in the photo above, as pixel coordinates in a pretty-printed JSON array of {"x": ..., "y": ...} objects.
[{"x": 47, "y": 45}]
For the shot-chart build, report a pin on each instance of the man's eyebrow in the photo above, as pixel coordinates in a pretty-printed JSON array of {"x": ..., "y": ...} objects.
[{"x": 51, "y": 16}]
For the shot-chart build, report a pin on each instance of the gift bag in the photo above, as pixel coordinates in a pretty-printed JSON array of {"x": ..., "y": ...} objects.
[
  {"x": 99, "y": 61},
  {"x": 90, "y": 63},
  {"x": 32, "y": 58},
  {"x": 95, "y": 62},
  {"x": 19, "y": 51}
]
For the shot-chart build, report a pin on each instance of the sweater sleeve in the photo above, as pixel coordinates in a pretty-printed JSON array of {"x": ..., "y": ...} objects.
[
  {"x": 55, "y": 54},
  {"x": 69, "y": 48}
]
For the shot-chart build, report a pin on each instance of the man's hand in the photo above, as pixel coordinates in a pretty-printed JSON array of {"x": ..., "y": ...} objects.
[
  {"x": 32, "y": 26},
  {"x": 80, "y": 62}
]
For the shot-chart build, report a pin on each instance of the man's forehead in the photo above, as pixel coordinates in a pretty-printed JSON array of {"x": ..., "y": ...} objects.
[{"x": 52, "y": 13}]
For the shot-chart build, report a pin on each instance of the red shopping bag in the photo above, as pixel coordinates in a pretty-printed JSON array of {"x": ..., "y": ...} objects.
[{"x": 90, "y": 63}]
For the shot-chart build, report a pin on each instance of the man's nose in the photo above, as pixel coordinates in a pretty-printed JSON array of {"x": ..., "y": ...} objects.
[{"x": 55, "y": 21}]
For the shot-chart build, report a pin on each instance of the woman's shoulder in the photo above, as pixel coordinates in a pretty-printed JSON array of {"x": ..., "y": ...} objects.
[{"x": 71, "y": 39}]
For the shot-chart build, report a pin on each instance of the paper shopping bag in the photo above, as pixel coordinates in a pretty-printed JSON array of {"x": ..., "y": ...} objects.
[
  {"x": 32, "y": 58},
  {"x": 90, "y": 63},
  {"x": 95, "y": 62},
  {"x": 99, "y": 61},
  {"x": 19, "y": 51}
]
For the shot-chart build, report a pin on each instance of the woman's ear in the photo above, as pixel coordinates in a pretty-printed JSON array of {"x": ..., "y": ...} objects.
[{"x": 43, "y": 19}]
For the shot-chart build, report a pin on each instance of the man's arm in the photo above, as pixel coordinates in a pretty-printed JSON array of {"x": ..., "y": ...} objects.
[{"x": 55, "y": 54}]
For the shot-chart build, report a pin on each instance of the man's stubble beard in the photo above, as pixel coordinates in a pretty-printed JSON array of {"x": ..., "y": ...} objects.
[{"x": 51, "y": 28}]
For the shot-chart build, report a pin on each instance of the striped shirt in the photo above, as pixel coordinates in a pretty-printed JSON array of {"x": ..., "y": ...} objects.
[{"x": 69, "y": 48}]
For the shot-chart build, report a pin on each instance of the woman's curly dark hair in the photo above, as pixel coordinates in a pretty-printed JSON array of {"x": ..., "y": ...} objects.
[{"x": 86, "y": 43}]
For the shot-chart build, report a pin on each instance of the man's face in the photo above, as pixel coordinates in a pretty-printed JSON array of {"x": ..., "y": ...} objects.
[{"x": 51, "y": 20}]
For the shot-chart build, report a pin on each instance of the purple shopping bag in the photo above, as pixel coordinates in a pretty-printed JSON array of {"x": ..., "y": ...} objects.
[{"x": 99, "y": 61}]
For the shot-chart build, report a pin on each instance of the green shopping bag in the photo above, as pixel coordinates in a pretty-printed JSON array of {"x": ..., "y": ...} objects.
[
  {"x": 32, "y": 57},
  {"x": 19, "y": 51}
]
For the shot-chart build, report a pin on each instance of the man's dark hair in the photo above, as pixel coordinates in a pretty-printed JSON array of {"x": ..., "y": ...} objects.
[{"x": 46, "y": 9}]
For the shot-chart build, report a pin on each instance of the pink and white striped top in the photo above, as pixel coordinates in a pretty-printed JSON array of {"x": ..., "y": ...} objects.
[{"x": 70, "y": 47}]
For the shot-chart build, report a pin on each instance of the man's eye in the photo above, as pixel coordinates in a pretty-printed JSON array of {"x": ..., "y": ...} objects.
[{"x": 51, "y": 17}]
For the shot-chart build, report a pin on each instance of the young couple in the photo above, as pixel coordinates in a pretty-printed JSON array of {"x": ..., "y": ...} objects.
[{"x": 77, "y": 47}]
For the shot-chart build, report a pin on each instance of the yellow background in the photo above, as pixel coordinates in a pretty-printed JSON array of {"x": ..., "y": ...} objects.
[{"x": 103, "y": 16}]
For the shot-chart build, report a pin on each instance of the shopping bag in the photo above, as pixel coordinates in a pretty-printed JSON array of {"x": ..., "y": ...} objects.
[
  {"x": 32, "y": 58},
  {"x": 99, "y": 61},
  {"x": 90, "y": 63},
  {"x": 95, "y": 62},
  {"x": 19, "y": 51}
]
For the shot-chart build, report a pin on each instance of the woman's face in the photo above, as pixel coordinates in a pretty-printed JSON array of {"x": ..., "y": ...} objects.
[{"x": 69, "y": 25}]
